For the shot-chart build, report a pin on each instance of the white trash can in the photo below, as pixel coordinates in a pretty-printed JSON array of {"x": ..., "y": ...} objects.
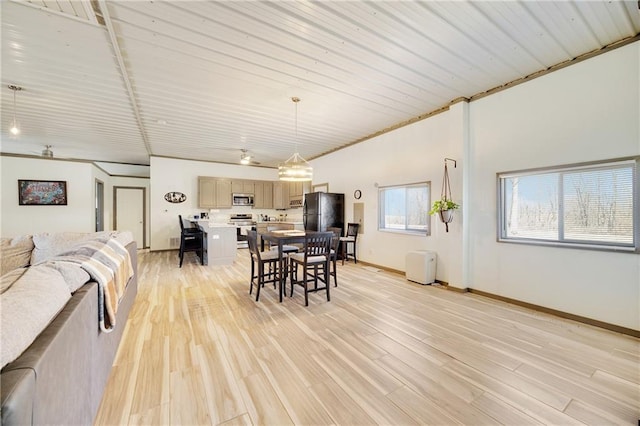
[{"x": 421, "y": 266}]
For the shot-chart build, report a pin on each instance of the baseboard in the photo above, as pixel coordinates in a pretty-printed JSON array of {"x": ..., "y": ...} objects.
[{"x": 561, "y": 314}]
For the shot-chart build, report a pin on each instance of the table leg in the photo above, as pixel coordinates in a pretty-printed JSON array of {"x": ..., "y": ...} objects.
[{"x": 281, "y": 269}]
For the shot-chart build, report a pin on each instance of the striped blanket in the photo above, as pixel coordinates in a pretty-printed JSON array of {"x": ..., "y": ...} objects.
[{"x": 108, "y": 263}]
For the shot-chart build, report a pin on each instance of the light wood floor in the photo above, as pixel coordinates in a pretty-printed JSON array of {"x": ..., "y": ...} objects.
[{"x": 198, "y": 349}]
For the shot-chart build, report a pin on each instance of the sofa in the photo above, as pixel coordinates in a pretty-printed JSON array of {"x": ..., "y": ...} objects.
[{"x": 61, "y": 376}]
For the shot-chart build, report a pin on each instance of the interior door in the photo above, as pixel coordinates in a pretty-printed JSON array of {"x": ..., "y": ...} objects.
[
  {"x": 129, "y": 212},
  {"x": 99, "y": 206}
]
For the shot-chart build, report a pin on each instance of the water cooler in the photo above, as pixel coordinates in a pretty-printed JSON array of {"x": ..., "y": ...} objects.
[{"x": 421, "y": 266}]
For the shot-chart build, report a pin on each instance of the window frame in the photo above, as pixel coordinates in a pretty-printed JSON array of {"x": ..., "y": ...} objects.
[
  {"x": 405, "y": 231},
  {"x": 634, "y": 247}
]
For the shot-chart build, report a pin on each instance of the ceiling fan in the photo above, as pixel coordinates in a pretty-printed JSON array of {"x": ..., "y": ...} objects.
[
  {"x": 246, "y": 159},
  {"x": 46, "y": 152}
]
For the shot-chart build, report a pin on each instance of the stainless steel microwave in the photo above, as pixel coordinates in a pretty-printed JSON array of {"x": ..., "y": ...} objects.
[{"x": 242, "y": 199}]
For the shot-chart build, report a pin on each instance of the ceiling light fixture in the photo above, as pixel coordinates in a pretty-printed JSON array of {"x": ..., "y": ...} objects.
[
  {"x": 296, "y": 168},
  {"x": 15, "y": 126},
  {"x": 244, "y": 157}
]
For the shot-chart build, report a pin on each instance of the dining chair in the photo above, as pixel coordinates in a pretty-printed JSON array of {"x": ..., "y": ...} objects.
[
  {"x": 259, "y": 259},
  {"x": 349, "y": 239},
  {"x": 335, "y": 246},
  {"x": 314, "y": 261},
  {"x": 191, "y": 239}
]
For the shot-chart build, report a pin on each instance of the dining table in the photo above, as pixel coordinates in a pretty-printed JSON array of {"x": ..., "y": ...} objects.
[{"x": 280, "y": 238}]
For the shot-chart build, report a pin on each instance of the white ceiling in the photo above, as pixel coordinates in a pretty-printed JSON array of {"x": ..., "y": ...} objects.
[{"x": 203, "y": 80}]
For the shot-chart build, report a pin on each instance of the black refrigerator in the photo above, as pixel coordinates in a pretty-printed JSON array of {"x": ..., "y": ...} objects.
[{"x": 323, "y": 210}]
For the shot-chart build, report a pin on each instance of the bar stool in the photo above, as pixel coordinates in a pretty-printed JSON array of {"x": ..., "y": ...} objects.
[
  {"x": 191, "y": 239},
  {"x": 259, "y": 260},
  {"x": 350, "y": 238}
]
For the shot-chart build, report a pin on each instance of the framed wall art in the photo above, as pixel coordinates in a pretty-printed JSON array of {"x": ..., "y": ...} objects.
[{"x": 42, "y": 192}]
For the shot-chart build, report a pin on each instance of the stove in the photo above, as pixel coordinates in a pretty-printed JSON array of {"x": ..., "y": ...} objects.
[
  {"x": 243, "y": 222},
  {"x": 242, "y": 219}
]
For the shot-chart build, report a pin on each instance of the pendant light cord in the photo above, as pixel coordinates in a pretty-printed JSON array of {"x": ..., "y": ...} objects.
[
  {"x": 295, "y": 101},
  {"x": 14, "y": 125}
]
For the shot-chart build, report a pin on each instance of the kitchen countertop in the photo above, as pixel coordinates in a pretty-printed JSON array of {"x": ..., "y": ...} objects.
[
  {"x": 286, "y": 222},
  {"x": 208, "y": 223}
]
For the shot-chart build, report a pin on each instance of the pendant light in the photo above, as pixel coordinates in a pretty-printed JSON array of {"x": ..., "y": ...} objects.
[
  {"x": 296, "y": 168},
  {"x": 15, "y": 126}
]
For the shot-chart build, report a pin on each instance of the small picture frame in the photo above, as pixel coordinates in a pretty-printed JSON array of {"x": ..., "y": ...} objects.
[{"x": 42, "y": 192}]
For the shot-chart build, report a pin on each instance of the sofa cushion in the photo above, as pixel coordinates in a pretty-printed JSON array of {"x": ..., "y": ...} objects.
[
  {"x": 7, "y": 280},
  {"x": 73, "y": 274},
  {"x": 15, "y": 252},
  {"x": 27, "y": 308},
  {"x": 47, "y": 245}
]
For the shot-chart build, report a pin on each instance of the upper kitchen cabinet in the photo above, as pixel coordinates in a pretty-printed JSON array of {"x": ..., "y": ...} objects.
[
  {"x": 280, "y": 195},
  {"x": 296, "y": 193},
  {"x": 214, "y": 193},
  {"x": 263, "y": 195},
  {"x": 223, "y": 193},
  {"x": 240, "y": 186},
  {"x": 206, "y": 192}
]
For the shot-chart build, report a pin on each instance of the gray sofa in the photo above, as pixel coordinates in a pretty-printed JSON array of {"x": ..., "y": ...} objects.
[{"x": 61, "y": 377}]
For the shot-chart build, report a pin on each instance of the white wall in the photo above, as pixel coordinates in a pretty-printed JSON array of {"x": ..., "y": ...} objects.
[
  {"x": 77, "y": 215},
  {"x": 588, "y": 111},
  {"x": 169, "y": 175},
  {"x": 413, "y": 153}
]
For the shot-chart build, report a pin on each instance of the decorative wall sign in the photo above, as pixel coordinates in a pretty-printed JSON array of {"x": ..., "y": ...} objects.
[
  {"x": 175, "y": 197},
  {"x": 42, "y": 192}
]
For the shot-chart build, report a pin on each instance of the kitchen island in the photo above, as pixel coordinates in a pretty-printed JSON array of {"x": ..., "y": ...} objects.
[
  {"x": 220, "y": 242},
  {"x": 264, "y": 226}
]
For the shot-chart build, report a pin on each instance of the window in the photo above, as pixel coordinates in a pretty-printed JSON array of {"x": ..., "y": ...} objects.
[
  {"x": 404, "y": 208},
  {"x": 593, "y": 205}
]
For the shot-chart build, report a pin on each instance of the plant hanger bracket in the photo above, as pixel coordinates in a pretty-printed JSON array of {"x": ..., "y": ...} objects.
[{"x": 445, "y": 194}]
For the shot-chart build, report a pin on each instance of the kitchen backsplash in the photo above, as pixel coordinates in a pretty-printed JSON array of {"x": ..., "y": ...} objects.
[{"x": 222, "y": 215}]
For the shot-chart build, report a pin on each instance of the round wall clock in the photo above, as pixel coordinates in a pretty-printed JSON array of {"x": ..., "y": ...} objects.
[
  {"x": 175, "y": 197},
  {"x": 357, "y": 194}
]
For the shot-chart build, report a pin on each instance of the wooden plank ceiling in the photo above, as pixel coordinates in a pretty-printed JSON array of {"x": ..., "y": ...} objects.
[{"x": 119, "y": 81}]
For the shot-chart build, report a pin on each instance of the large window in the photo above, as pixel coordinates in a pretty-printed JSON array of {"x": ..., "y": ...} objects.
[
  {"x": 593, "y": 205},
  {"x": 404, "y": 208}
]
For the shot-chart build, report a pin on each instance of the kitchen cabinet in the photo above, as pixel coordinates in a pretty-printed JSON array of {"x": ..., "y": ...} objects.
[
  {"x": 296, "y": 193},
  {"x": 223, "y": 193},
  {"x": 263, "y": 195},
  {"x": 214, "y": 193},
  {"x": 206, "y": 192},
  {"x": 240, "y": 186},
  {"x": 262, "y": 227},
  {"x": 280, "y": 195},
  {"x": 298, "y": 189},
  {"x": 221, "y": 243},
  {"x": 295, "y": 189}
]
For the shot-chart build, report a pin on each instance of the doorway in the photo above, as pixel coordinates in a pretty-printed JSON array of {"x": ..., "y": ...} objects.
[{"x": 130, "y": 212}]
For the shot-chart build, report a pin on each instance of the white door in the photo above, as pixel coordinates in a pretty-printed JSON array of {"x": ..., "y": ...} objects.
[{"x": 129, "y": 212}]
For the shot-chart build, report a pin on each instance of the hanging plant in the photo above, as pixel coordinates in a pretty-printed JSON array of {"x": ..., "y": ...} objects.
[{"x": 445, "y": 206}]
